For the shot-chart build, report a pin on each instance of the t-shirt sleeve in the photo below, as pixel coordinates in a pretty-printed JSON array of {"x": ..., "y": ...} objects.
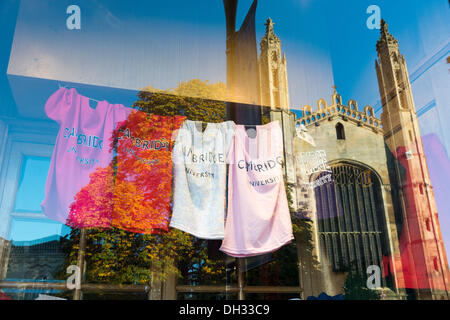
[
  {"x": 59, "y": 104},
  {"x": 230, "y": 129},
  {"x": 276, "y": 136},
  {"x": 180, "y": 141},
  {"x": 229, "y": 138},
  {"x": 121, "y": 113}
]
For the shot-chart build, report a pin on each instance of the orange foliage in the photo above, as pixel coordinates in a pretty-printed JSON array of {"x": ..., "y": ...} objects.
[{"x": 133, "y": 193}]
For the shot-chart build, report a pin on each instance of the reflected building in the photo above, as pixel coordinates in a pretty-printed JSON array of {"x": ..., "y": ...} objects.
[
  {"x": 37, "y": 261},
  {"x": 378, "y": 208},
  {"x": 273, "y": 70},
  {"x": 423, "y": 255}
]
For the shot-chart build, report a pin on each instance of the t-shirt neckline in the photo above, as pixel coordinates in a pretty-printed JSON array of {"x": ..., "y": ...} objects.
[
  {"x": 258, "y": 128},
  {"x": 210, "y": 126},
  {"x": 85, "y": 102}
]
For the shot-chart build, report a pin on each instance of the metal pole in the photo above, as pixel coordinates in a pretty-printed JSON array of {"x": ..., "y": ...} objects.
[
  {"x": 300, "y": 268},
  {"x": 240, "y": 278},
  {"x": 140, "y": 288},
  {"x": 78, "y": 294}
]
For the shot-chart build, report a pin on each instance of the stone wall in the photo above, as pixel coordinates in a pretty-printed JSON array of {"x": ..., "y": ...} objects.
[{"x": 363, "y": 146}]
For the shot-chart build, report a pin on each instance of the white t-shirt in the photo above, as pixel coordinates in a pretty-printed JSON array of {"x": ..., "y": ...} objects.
[{"x": 200, "y": 178}]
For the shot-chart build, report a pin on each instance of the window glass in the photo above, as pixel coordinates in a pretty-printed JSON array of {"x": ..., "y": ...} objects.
[
  {"x": 25, "y": 230},
  {"x": 32, "y": 184},
  {"x": 104, "y": 87}
]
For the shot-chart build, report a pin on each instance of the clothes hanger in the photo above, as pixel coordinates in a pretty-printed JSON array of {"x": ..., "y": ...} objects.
[
  {"x": 249, "y": 127},
  {"x": 62, "y": 86}
]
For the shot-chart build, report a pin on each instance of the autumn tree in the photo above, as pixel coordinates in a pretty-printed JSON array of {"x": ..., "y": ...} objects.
[{"x": 115, "y": 255}]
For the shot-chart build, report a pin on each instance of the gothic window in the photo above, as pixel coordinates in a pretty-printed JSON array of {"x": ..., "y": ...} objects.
[
  {"x": 350, "y": 220},
  {"x": 394, "y": 57},
  {"x": 276, "y": 98},
  {"x": 398, "y": 76},
  {"x": 340, "y": 133},
  {"x": 428, "y": 224},
  {"x": 274, "y": 56},
  {"x": 275, "y": 77},
  {"x": 436, "y": 263}
]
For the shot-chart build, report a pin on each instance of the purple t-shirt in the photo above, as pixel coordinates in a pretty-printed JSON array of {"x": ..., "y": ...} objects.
[{"x": 82, "y": 145}]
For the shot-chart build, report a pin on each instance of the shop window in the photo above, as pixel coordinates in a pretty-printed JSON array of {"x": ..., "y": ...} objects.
[
  {"x": 32, "y": 184},
  {"x": 26, "y": 230}
]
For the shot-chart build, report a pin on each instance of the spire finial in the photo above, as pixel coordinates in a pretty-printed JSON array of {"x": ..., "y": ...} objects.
[
  {"x": 384, "y": 27},
  {"x": 334, "y": 89},
  {"x": 385, "y": 37},
  {"x": 269, "y": 26}
]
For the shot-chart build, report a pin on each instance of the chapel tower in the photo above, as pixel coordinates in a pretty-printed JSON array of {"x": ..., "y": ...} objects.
[
  {"x": 423, "y": 257},
  {"x": 272, "y": 70}
]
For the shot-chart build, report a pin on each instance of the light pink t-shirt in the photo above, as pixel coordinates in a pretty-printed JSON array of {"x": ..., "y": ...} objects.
[
  {"x": 82, "y": 145},
  {"x": 258, "y": 218}
]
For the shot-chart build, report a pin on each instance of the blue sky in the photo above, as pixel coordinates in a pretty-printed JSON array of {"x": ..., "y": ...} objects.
[{"x": 161, "y": 43}]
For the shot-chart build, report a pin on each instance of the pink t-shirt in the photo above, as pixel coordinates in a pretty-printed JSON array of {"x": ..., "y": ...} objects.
[
  {"x": 258, "y": 218},
  {"x": 83, "y": 145}
]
